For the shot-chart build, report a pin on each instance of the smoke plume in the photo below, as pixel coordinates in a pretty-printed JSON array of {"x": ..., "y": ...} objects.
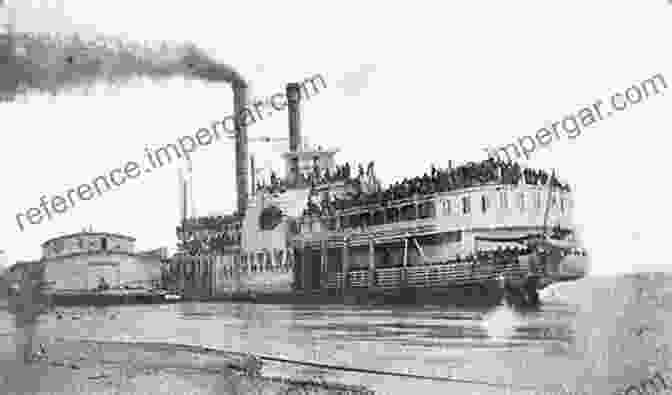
[{"x": 56, "y": 64}]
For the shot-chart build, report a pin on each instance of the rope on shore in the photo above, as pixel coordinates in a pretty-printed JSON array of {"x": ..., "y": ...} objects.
[
  {"x": 196, "y": 348},
  {"x": 397, "y": 374}
]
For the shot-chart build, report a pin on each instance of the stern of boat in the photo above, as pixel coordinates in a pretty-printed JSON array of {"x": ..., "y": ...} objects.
[{"x": 573, "y": 265}]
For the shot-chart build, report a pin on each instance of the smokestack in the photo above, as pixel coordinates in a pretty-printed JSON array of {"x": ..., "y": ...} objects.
[
  {"x": 183, "y": 195},
  {"x": 253, "y": 174},
  {"x": 293, "y": 92},
  {"x": 239, "y": 103}
]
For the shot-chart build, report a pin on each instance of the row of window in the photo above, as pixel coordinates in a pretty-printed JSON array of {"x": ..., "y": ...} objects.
[
  {"x": 85, "y": 244},
  {"x": 449, "y": 206},
  {"x": 382, "y": 216}
]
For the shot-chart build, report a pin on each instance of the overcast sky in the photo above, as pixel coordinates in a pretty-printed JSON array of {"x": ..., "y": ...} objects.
[{"x": 408, "y": 84}]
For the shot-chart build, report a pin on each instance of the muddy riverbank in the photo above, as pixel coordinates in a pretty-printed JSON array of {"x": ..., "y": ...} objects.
[{"x": 93, "y": 367}]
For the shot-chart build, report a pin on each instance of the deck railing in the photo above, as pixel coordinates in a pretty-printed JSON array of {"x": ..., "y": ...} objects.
[
  {"x": 439, "y": 275},
  {"x": 359, "y": 278}
]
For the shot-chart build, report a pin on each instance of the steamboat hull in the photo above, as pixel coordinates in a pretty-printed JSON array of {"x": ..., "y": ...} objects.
[
  {"x": 475, "y": 295},
  {"x": 303, "y": 280}
]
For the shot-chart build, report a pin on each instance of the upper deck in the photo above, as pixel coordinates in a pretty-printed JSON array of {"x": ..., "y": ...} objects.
[{"x": 480, "y": 209}]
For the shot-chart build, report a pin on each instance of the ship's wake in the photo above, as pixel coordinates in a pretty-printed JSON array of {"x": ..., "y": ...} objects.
[{"x": 501, "y": 323}]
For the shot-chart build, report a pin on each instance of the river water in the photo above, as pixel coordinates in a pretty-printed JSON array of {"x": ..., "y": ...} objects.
[{"x": 600, "y": 335}]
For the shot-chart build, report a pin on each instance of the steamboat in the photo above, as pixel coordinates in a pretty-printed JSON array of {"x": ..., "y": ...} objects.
[{"x": 469, "y": 234}]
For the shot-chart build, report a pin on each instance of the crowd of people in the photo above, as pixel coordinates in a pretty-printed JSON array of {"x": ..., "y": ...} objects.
[
  {"x": 502, "y": 254},
  {"x": 314, "y": 178},
  {"x": 217, "y": 243},
  {"x": 442, "y": 180},
  {"x": 490, "y": 171},
  {"x": 211, "y": 221},
  {"x": 209, "y": 234}
]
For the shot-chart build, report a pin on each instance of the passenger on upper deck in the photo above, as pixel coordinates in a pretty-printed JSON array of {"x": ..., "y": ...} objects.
[
  {"x": 209, "y": 234},
  {"x": 440, "y": 180},
  {"x": 278, "y": 185}
]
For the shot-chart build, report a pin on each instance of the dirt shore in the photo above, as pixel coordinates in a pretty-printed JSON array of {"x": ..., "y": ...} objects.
[{"x": 88, "y": 367}]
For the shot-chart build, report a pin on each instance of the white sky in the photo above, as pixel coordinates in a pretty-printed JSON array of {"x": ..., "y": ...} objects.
[{"x": 440, "y": 81}]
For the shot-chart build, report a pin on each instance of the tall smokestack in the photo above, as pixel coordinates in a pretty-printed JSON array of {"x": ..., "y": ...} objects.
[
  {"x": 293, "y": 93},
  {"x": 239, "y": 104},
  {"x": 294, "y": 109},
  {"x": 183, "y": 195},
  {"x": 253, "y": 176}
]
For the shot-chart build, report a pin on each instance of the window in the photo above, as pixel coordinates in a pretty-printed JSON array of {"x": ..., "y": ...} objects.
[
  {"x": 379, "y": 217},
  {"x": 355, "y": 221},
  {"x": 365, "y": 219},
  {"x": 392, "y": 214},
  {"x": 485, "y": 203},
  {"x": 466, "y": 205},
  {"x": 406, "y": 212},
  {"x": 103, "y": 244},
  {"x": 331, "y": 223},
  {"x": 504, "y": 199},
  {"x": 345, "y": 221},
  {"x": 410, "y": 212},
  {"x": 521, "y": 201},
  {"x": 452, "y": 237},
  {"x": 427, "y": 210},
  {"x": 446, "y": 207}
]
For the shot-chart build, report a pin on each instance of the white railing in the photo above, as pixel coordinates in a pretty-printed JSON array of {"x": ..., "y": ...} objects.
[
  {"x": 359, "y": 279},
  {"x": 335, "y": 281},
  {"x": 388, "y": 278},
  {"x": 434, "y": 275}
]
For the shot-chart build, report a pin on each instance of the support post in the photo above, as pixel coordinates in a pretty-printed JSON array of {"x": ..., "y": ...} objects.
[
  {"x": 201, "y": 277},
  {"x": 183, "y": 274},
  {"x": 404, "y": 269},
  {"x": 346, "y": 264},
  {"x": 372, "y": 264},
  {"x": 323, "y": 264},
  {"x": 298, "y": 268},
  {"x": 238, "y": 272},
  {"x": 308, "y": 268},
  {"x": 212, "y": 268}
]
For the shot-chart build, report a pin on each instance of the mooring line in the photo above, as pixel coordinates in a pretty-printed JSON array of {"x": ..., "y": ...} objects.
[
  {"x": 195, "y": 348},
  {"x": 397, "y": 374}
]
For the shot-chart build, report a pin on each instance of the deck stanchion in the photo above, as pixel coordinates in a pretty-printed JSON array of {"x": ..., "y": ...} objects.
[
  {"x": 372, "y": 264},
  {"x": 346, "y": 264},
  {"x": 404, "y": 268}
]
